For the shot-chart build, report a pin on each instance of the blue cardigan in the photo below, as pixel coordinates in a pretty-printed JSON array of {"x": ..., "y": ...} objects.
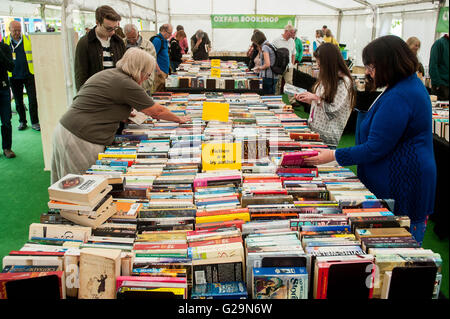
[{"x": 394, "y": 149}]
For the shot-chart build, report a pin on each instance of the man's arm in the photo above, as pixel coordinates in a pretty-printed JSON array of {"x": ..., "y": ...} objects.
[
  {"x": 6, "y": 57},
  {"x": 81, "y": 63}
]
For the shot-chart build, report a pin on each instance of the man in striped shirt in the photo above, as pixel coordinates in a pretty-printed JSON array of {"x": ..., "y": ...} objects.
[{"x": 100, "y": 48}]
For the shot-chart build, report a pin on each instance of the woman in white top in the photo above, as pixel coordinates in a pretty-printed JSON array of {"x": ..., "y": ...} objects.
[{"x": 333, "y": 95}]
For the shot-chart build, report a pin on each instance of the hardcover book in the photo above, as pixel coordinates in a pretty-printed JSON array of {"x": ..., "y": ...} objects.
[
  {"x": 99, "y": 269},
  {"x": 78, "y": 189}
]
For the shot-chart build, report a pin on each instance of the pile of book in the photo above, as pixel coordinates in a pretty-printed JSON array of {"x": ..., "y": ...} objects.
[
  {"x": 197, "y": 74},
  {"x": 440, "y": 119},
  {"x": 271, "y": 228},
  {"x": 82, "y": 199},
  {"x": 217, "y": 255}
]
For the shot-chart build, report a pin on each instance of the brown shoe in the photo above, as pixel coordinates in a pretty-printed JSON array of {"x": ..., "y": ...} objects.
[{"x": 9, "y": 153}]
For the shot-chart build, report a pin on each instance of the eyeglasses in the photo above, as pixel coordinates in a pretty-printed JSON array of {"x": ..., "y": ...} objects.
[
  {"x": 110, "y": 29},
  {"x": 369, "y": 68}
]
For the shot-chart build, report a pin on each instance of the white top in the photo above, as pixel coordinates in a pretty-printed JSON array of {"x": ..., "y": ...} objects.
[
  {"x": 329, "y": 119},
  {"x": 107, "y": 58},
  {"x": 289, "y": 44}
]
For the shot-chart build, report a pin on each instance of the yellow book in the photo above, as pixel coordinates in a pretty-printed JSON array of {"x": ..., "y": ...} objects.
[
  {"x": 103, "y": 155},
  {"x": 222, "y": 218}
]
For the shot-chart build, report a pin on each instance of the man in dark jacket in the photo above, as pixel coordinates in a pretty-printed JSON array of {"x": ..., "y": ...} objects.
[
  {"x": 6, "y": 65},
  {"x": 100, "y": 48},
  {"x": 439, "y": 67}
]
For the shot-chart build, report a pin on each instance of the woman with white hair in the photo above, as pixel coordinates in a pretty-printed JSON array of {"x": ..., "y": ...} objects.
[
  {"x": 107, "y": 98},
  {"x": 201, "y": 45}
]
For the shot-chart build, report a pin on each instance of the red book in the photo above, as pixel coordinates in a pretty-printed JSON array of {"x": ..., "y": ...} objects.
[
  {"x": 296, "y": 158},
  {"x": 8, "y": 277},
  {"x": 297, "y": 178},
  {"x": 36, "y": 253},
  {"x": 262, "y": 180},
  {"x": 305, "y": 136},
  {"x": 230, "y": 240},
  {"x": 298, "y": 170},
  {"x": 274, "y": 192}
]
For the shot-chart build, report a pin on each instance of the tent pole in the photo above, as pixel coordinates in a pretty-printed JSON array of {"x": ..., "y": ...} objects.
[
  {"x": 338, "y": 35},
  {"x": 67, "y": 35},
  {"x": 441, "y": 5},
  {"x": 131, "y": 12},
  {"x": 43, "y": 17},
  {"x": 156, "y": 16},
  {"x": 374, "y": 22},
  {"x": 168, "y": 9},
  {"x": 212, "y": 30}
]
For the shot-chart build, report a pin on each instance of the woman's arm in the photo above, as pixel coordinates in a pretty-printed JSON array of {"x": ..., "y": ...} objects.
[
  {"x": 159, "y": 112},
  {"x": 266, "y": 64}
]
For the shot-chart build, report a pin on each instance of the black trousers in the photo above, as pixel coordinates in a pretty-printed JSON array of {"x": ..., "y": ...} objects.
[
  {"x": 441, "y": 92},
  {"x": 17, "y": 89},
  {"x": 5, "y": 117}
]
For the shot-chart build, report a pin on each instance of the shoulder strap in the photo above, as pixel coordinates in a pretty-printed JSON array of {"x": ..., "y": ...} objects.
[{"x": 162, "y": 39}]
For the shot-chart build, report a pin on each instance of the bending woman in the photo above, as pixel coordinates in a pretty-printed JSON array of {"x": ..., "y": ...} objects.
[{"x": 106, "y": 99}]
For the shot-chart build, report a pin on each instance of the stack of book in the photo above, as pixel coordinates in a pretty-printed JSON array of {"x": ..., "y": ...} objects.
[
  {"x": 217, "y": 255},
  {"x": 440, "y": 119},
  {"x": 162, "y": 254},
  {"x": 82, "y": 199}
]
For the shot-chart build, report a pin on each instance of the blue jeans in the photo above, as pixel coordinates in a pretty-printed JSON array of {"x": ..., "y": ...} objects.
[
  {"x": 418, "y": 231},
  {"x": 174, "y": 65},
  {"x": 5, "y": 117},
  {"x": 269, "y": 85}
]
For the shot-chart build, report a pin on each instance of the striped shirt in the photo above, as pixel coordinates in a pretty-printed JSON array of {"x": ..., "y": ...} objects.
[{"x": 107, "y": 58}]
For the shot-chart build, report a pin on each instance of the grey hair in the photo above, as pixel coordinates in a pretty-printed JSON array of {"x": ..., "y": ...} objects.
[
  {"x": 136, "y": 61},
  {"x": 164, "y": 27},
  {"x": 199, "y": 34},
  {"x": 129, "y": 27}
]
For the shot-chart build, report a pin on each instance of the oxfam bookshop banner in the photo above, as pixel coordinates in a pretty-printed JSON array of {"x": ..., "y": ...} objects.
[{"x": 250, "y": 21}]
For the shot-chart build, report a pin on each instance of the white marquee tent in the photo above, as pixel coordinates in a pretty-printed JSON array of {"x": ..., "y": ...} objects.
[{"x": 353, "y": 22}]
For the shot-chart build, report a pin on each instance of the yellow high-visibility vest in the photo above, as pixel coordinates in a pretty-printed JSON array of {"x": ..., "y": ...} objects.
[{"x": 27, "y": 47}]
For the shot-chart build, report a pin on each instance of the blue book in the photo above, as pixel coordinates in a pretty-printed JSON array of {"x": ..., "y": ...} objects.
[
  {"x": 220, "y": 290},
  {"x": 280, "y": 283}
]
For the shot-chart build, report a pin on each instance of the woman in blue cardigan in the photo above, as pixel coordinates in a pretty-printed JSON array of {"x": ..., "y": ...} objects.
[{"x": 394, "y": 144}]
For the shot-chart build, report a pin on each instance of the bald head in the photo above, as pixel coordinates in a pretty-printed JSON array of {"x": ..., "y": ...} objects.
[{"x": 16, "y": 30}]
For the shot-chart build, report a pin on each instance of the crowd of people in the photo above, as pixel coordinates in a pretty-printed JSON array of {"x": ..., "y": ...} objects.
[{"x": 117, "y": 70}]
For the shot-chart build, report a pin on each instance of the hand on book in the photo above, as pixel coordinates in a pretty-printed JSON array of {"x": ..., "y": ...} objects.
[
  {"x": 324, "y": 156},
  {"x": 184, "y": 119},
  {"x": 306, "y": 97}
]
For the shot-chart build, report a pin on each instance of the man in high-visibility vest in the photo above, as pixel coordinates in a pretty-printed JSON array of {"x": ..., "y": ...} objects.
[{"x": 22, "y": 75}]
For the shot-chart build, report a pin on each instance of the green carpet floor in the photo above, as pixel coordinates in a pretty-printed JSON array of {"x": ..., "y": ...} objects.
[{"x": 24, "y": 196}]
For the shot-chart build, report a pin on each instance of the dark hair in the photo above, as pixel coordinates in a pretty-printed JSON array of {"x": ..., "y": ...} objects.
[
  {"x": 324, "y": 27},
  {"x": 180, "y": 34},
  {"x": 320, "y": 32},
  {"x": 106, "y": 12},
  {"x": 180, "y": 27},
  {"x": 392, "y": 59},
  {"x": 258, "y": 37},
  {"x": 332, "y": 69}
]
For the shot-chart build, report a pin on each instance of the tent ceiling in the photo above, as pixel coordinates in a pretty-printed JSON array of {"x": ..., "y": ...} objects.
[{"x": 330, "y": 4}]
